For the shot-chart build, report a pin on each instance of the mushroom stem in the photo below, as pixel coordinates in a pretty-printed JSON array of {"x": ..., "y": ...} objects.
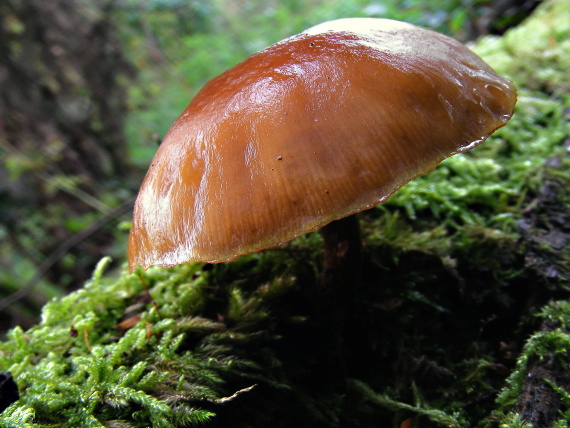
[
  {"x": 343, "y": 255},
  {"x": 342, "y": 268}
]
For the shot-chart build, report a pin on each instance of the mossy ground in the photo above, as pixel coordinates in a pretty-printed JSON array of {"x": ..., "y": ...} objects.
[{"x": 458, "y": 265}]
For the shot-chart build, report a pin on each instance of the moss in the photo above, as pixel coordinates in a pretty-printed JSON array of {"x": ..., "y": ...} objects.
[
  {"x": 76, "y": 364},
  {"x": 458, "y": 261},
  {"x": 538, "y": 387}
]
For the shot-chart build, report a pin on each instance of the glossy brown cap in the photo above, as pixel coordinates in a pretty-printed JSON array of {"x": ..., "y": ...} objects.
[{"x": 319, "y": 126}]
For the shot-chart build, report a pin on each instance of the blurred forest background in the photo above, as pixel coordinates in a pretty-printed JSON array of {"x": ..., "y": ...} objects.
[{"x": 89, "y": 87}]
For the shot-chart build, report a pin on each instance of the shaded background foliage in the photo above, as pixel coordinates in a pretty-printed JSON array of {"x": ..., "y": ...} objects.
[
  {"x": 87, "y": 90},
  {"x": 64, "y": 153}
]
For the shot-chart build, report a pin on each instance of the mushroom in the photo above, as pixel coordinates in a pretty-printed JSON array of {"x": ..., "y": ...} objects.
[{"x": 310, "y": 130}]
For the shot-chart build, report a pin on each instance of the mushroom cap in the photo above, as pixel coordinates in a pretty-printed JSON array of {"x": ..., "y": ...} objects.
[{"x": 314, "y": 128}]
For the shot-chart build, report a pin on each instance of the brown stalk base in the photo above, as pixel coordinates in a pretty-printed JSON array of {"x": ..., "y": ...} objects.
[
  {"x": 341, "y": 273},
  {"x": 342, "y": 255}
]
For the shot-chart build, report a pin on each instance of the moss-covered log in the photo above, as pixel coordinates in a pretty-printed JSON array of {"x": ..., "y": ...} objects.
[{"x": 436, "y": 332}]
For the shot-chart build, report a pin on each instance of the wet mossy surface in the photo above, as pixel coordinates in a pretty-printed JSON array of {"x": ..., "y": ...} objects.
[{"x": 461, "y": 316}]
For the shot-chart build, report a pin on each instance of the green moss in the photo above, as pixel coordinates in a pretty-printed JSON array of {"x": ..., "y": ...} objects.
[
  {"x": 551, "y": 342},
  {"x": 419, "y": 408},
  {"x": 77, "y": 367},
  {"x": 457, "y": 262}
]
